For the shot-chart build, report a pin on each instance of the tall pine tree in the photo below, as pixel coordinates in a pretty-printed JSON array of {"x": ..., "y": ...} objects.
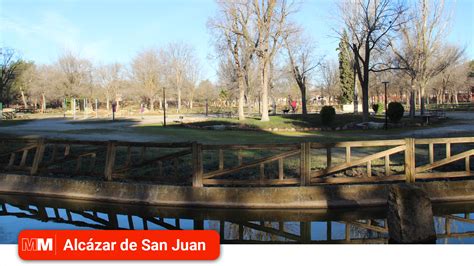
[{"x": 346, "y": 73}]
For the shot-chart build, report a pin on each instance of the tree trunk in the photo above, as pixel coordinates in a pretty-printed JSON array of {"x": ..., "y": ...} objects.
[
  {"x": 179, "y": 100},
  {"x": 274, "y": 106},
  {"x": 412, "y": 99},
  {"x": 107, "y": 100},
  {"x": 178, "y": 88},
  {"x": 24, "y": 99},
  {"x": 422, "y": 98},
  {"x": 356, "y": 95},
  {"x": 264, "y": 84},
  {"x": 152, "y": 104},
  {"x": 43, "y": 103},
  {"x": 241, "y": 98},
  {"x": 303, "y": 98},
  {"x": 365, "y": 101},
  {"x": 365, "y": 85}
]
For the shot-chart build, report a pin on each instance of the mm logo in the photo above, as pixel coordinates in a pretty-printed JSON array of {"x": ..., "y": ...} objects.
[{"x": 36, "y": 244}]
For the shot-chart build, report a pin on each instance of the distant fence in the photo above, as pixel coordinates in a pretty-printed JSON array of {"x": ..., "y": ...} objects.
[
  {"x": 466, "y": 106},
  {"x": 196, "y": 164}
]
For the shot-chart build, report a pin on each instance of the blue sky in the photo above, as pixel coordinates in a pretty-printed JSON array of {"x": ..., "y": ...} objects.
[{"x": 108, "y": 31}]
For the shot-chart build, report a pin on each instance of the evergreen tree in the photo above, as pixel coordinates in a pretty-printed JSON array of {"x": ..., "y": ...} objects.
[{"x": 346, "y": 73}]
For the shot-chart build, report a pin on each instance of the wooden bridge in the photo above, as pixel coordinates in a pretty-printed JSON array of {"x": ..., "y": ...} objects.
[
  {"x": 186, "y": 163},
  {"x": 355, "y": 228}
]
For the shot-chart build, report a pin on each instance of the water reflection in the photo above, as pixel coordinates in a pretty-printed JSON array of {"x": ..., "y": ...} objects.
[{"x": 454, "y": 223}]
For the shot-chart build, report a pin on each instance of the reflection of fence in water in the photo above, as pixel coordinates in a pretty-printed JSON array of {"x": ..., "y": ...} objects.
[{"x": 236, "y": 231}]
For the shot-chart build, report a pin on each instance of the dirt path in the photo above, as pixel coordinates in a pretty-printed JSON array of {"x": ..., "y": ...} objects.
[
  {"x": 68, "y": 129},
  {"x": 461, "y": 122}
]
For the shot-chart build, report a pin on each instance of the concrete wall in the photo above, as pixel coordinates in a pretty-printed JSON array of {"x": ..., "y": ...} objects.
[{"x": 244, "y": 197}]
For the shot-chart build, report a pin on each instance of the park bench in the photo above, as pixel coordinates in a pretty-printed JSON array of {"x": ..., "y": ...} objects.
[
  {"x": 438, "y": 113},
  {"x": 433, "y": 114},
  {"x": 426, "y": 118}
]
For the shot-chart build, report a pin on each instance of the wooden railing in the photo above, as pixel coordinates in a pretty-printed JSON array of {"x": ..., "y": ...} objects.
[{"x": 192, "y": 163}]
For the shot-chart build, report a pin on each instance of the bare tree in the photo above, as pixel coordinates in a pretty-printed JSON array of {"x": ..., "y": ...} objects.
[
  {"x": 180, "y": 59},
  {"x": 76, "y": 74},
  {"x": 450, "y": 83},
  {"x": 193, "y": 76},
  {"x": 329, "y": 80},
  {"x": 423, "y": 53},
  {"x": 271, "y": 25},
  {"x": 370, "y": 24},
  {"x": 110, "y": 78},
  {"x": 48, "y": 81},
  {"x": 230, "y": 28},
  {"x": 302, "y": 62},
  {"x": 145, "y": 72}
]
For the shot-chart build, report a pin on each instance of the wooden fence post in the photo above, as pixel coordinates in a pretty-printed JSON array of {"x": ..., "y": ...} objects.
[
  {"x": 348, "y": 154},
  {"x": 110, "y": 160},
  {"x": 221, "y": 159},
  {"x": 305, "y": 164},
  {"x": 468, "y": 164},
  {"x": 328, "y": 157},
  {"x": 197, "y": 164},
  {"x": 38, "y": 156},
  {"x": 410, "y": 160}
]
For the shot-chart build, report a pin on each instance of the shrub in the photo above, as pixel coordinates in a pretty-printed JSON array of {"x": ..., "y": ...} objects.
[
  {"x": 378, "y": 108},
  {"x": 328, "y": 114},
  {"x": 395, "y": 111}
]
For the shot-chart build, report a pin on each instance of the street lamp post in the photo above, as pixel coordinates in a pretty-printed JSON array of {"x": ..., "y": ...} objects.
[{"x": 385, "y": 83}]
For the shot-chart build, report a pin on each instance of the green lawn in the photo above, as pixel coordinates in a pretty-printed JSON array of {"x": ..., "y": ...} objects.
[
  {"x": 253, "y": 137},
  {"x": 296, "y": 121},
  {"x": 285, "y": 121},
  {"x": 261, "y": 135}
]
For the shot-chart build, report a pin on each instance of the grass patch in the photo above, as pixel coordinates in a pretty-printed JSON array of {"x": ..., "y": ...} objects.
[
  {"x": 296, "y": 121},
  {"x": 285, "y": 121},
  {"x": 176, "y": 134}
]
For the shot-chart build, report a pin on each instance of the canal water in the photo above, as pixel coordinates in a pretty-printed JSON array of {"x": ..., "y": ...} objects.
[{"x": 454, "y": 222}]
